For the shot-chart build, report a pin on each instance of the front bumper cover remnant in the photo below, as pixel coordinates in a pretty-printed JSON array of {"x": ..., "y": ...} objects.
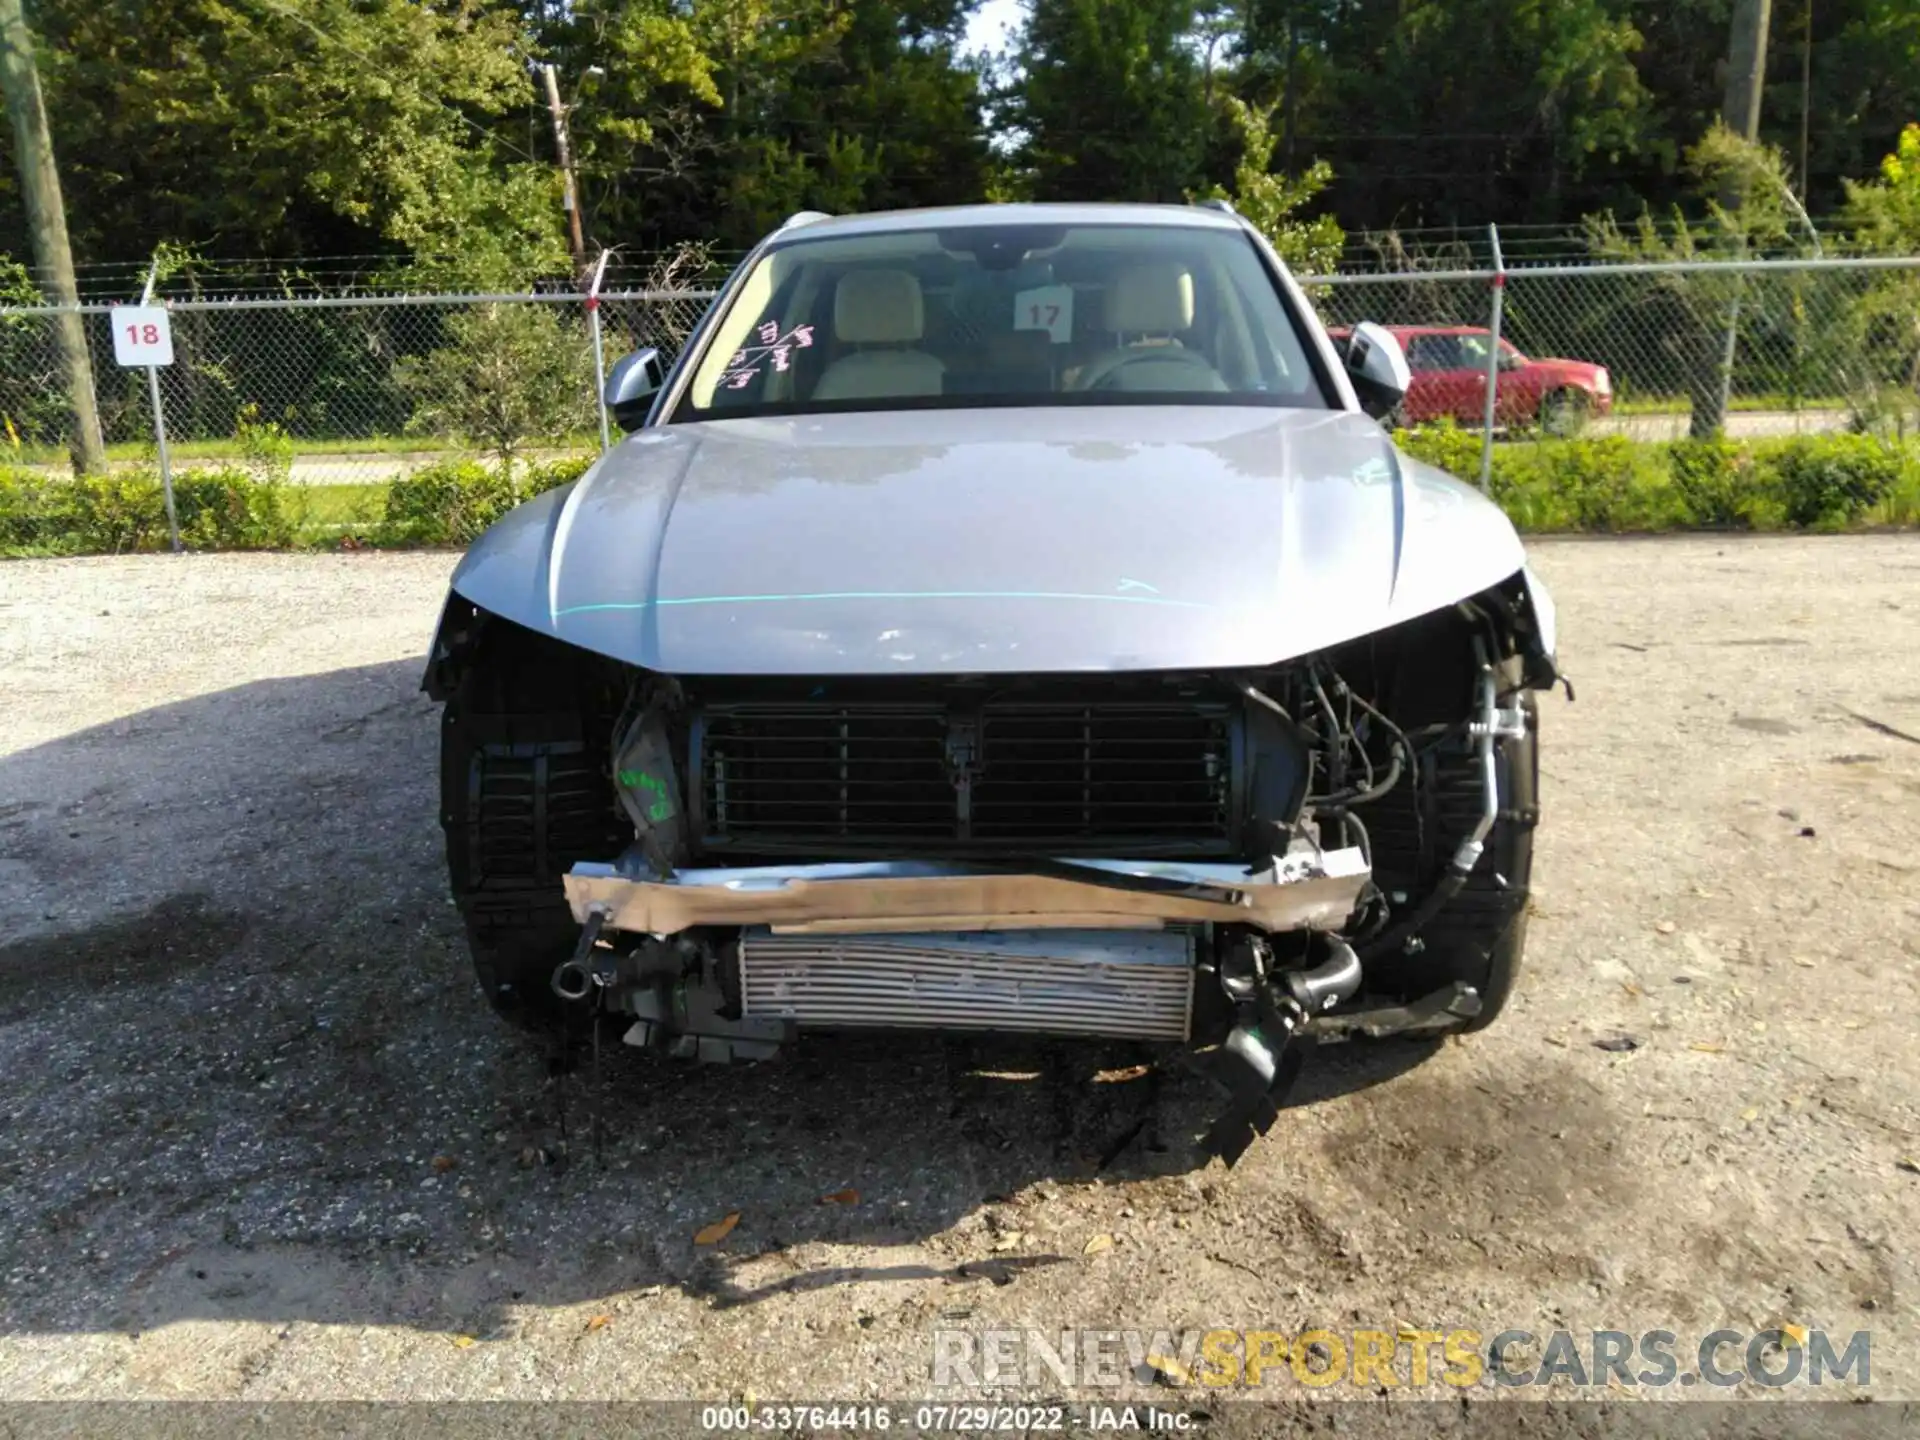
[{"x": 1306, "y": 889}]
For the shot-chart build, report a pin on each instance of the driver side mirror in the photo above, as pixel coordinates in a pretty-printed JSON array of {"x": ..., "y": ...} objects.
[
  {"x": 1378, "y": 369},
  {"x": 631, "y": 385}
]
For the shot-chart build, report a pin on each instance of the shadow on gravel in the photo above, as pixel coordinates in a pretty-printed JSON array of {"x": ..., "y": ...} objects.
[{"x": 246, "y": 1074}]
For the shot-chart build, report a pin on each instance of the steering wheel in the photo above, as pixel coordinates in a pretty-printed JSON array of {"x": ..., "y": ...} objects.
[{"x": 1104, "y": 372}]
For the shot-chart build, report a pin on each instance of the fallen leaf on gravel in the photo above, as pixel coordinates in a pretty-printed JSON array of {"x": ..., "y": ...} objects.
[
  {"x": 1098, "y": 1244},
  {"x": 1750, "y": 1114},
  {"x": 1617, "y": 1043},
  {"x": 1912, "y": 1167},
  {"x": 849, "y": 1196},
  {"x": 1804, "y": 963},
  {"x": 1666, "y": 927},
  {"x": 1631, "y": 988},
  {"x": 1116, "y": 1077},
  {"x": 1759, "y": 1027},
  {"x": 1707, "y": 1047},
  {"x": 713, "y": 1234},
  {"x": 599, "y": 1322},
  {"x": 444, "y": 1163},
  {"x": 1008, "y": 1240},
  {"x": 1797, "y": 1334},
  {"x": 464, "y": 1342}
]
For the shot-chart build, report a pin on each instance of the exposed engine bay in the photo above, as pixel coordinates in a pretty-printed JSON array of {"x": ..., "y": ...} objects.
[{"x": 1229, "y": 860}]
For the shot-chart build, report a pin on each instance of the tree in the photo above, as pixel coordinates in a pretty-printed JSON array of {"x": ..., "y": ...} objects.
[
  {"x": 1452, "y": 111},
  {"x": 1110, "y": 100},
  {"x": 1269, "y": 201},
  {"x": 508, "y": 374},
  {"x": 1883, "y": 217},
  {"x": 768, "y": 107},
  {"x": 301, "y": 126},
  {"x": 1749, "y": 207},
  {"x": 47, "y": 219}
]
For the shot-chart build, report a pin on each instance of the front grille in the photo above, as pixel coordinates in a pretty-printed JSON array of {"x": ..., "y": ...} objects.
[
  {"x": 533, "y": 810},
  {"x": 1112, "y": 777}
]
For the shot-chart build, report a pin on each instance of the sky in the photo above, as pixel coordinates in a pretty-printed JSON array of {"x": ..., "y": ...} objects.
[{"x": 992, "y": 25}]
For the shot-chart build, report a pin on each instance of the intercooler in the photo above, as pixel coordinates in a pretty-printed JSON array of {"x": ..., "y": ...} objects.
[{"x": 1125, "y": 984}]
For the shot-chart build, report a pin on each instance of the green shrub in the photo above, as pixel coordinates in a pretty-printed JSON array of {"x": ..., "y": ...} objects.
[
  {"x": 232, "y": 509},
  {"x": 29, "y": 519},
  {"x": 126, "y": 510},
  {"x": 1717, "y": 484},
  {"x": 1829, "y": 481},
  {"x": 1607, "y": 485},
  {"x": 265, "y": 448},
  {"x": 448, "y": 503},
  {"x": 451, "y": 502},
  {"x": 536, "y": 478},
  {"x": 1445, "y": 446}
]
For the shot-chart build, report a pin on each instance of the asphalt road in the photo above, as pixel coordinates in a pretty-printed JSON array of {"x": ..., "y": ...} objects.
[{"x": 263, "y": 1140}]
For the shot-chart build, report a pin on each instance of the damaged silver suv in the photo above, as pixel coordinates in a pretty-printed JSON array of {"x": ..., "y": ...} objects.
[{"x": 1008, "y": 618}]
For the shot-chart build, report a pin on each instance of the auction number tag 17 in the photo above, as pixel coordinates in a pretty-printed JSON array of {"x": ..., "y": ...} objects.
[
  {"x": 141, "y": 335},
  {"x": 1048, "y": 308}
]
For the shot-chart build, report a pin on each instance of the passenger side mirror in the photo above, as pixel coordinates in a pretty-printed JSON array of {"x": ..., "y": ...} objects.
[
  {"x": 1378, "y": 369},
  {"x": 631, "y": 385}
]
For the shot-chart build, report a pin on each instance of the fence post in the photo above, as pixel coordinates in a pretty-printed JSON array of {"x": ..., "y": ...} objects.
[
  {"x": 1499, "y": 287},
  {"x": 160, "y": 424},
  {"x": 599, "y": 352}
]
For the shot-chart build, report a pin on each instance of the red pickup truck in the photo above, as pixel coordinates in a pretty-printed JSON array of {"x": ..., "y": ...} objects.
[{"x": 1449, "y": 364}]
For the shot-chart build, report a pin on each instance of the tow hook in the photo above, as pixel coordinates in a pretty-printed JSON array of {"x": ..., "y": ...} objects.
[
  {"x": 576, "y": 977},
  {"x": 1259, "y": 1060}
]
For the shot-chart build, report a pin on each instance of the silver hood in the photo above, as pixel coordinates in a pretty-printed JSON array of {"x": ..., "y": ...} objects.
[{"x": 991, "y": 540}]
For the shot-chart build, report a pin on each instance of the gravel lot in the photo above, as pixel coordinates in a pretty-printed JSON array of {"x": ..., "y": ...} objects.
[{"x": 262, "y": 1138}]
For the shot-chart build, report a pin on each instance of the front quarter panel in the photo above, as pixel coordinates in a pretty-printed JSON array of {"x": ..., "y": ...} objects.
[{"x": 507, "y": 570}]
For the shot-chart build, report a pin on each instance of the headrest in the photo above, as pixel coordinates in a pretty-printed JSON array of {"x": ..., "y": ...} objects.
[
  {"x": 877, "y": 307},
  {"x": 1154, "y": 299}
]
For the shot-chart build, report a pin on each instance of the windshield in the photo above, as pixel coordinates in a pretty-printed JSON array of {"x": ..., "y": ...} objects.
[{"x": 1014, "y": 314}]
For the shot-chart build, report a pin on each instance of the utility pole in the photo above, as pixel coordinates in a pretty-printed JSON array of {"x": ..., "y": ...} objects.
[
  {"x": 1806, "y": 100},
  {"x": 47, "y": 220},
  {"x": 564, "y": 148},
  {"x": 1746, "y": 67},
  {"x": 1740, "y": 110}
]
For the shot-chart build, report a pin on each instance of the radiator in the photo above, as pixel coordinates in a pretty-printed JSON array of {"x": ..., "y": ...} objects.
[{"x": 1124, "y": 984}]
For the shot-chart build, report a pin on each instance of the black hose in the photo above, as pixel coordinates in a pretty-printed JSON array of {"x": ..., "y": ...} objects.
[
  {"x": 1450, "y": 885},
  {"x": 1360, "y": 797}
]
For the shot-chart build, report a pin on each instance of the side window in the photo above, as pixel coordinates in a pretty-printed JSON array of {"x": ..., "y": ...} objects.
[
  {"x": 1428, "y": 352},
  {"x": 1473, "y": 352}
]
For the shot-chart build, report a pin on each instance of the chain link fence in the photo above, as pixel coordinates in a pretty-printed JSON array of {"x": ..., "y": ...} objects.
[
  {"x": 350, "y": 390},
  {"x": 1768, "y": 348},
  {"x": 363, "y": 389}
]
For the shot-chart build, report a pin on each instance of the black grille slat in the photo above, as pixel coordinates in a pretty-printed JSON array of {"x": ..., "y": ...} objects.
[{"x": 1077, "y": 777}]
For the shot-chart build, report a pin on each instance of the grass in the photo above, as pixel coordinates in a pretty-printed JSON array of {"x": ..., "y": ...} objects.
[
  {"x": 141, "y": 452},
  {"x": 339, "y": 506},
  {"x": 1679, "y": 405}
]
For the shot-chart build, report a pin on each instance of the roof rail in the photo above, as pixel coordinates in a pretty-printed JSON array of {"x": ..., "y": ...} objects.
[
  {"x": 1216, "y": 203},
  {"x": 803, "y": 217}
]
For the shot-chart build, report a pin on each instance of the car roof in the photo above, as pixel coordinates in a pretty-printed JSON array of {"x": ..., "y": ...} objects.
[{"x": 884, "y": 222}]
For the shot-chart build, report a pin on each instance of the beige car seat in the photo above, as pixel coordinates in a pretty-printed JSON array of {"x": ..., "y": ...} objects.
[
  {"x": 1153, "y": 303},
  {"x": 879, "y": 308}
]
